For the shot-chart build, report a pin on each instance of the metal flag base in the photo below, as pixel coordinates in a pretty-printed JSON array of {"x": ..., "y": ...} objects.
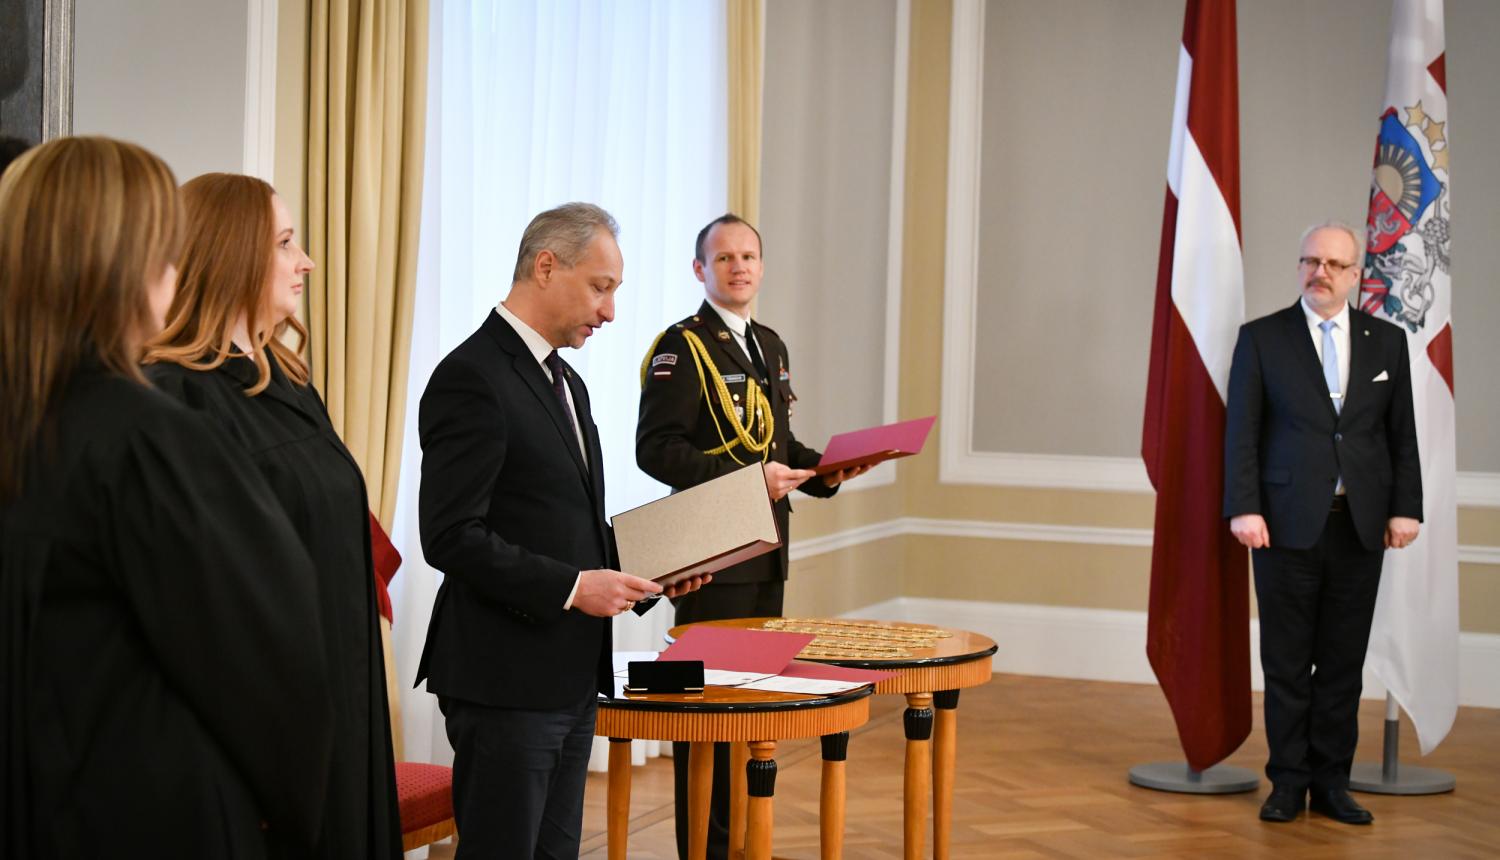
[
  {"x": 1392, "y": 777},
  {"x": 1177, "y": 776}
]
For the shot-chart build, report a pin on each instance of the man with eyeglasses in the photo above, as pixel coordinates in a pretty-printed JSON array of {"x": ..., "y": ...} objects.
[{"x": 1321, "y": 475}]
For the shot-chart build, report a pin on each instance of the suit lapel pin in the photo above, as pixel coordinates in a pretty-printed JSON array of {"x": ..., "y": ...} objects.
[{"x": 724, "y": 336}]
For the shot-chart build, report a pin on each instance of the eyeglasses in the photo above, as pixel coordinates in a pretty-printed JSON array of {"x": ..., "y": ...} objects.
[{"x": 1335, "y": 267}]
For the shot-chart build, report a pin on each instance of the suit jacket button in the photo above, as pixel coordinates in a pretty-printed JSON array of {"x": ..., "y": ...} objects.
[{"x": 1338, "y": 437}]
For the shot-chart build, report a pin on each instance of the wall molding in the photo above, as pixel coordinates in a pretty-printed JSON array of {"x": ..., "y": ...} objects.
[
  {"x": 1033, "y": 532},
  {"x": 260, "y": 90},
  {"x": 1045, "y": 471},
  {"x": 1110, "y": 645},
  {"x": 810, "y": 547},
  {"x": 1110, "y": 474},
  {"x": 884, "y": 474},
  {"x": 961, "y": 248}
]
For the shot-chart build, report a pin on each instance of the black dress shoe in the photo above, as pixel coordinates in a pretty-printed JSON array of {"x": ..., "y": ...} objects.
[
  {"x": 1338, "y": 805},
  {"x": 1284, "y": 804}
]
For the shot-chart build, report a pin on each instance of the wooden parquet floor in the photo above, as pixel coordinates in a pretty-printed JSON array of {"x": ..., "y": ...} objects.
[{"x": 1042, "y": 774}]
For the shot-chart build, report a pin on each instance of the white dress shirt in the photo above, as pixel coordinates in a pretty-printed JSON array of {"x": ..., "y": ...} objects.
[
  {"x": 1340, "y": 334},
  {"x": 739, "y": 327},
  {"x": 540, "y": 349}
]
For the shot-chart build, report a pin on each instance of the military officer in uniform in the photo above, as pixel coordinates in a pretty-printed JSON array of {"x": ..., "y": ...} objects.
[{"x": 716, "y": 395}]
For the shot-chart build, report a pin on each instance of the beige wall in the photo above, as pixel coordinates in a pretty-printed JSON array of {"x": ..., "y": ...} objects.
[
  {"x": 1108, "y": 576},
  {"x": 1076, "y": 113},
  {"x": 166, "y": 74},
  {"x": 170, "y": 75},
  {"x": 825, "y": 209}
]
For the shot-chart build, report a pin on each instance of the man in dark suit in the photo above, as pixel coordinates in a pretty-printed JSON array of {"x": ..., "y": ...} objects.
[
  {"x": 716, "y": 394},
  {"x": 1321, "y": 475},
  {"x": 512, "y": 513}
]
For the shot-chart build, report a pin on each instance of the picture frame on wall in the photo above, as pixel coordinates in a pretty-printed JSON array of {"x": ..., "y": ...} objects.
[{"x": 36, "y": 68}]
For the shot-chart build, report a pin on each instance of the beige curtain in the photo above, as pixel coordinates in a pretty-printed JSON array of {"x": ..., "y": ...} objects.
[
  {"x": 746, "y": 25},
  {"x": 367, "y": 109}
]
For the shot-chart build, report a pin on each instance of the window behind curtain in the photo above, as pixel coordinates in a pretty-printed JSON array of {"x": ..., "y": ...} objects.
[{"x": 534, "y": 104}]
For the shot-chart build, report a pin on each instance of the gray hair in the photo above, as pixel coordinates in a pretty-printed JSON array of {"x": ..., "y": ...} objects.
[
  {"x": 1354, "y": 238},
  {"x": 565, "y": 231}
]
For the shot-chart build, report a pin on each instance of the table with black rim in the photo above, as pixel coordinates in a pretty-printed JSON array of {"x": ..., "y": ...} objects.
[
  {"x": 930, "y": 678},
  {"x": 753, "y": 721}
]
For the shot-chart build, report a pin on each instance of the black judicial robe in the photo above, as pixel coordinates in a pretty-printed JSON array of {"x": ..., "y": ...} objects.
[
  {"x": 163, "y": 694},
  {"x": 286, "y": 433}
]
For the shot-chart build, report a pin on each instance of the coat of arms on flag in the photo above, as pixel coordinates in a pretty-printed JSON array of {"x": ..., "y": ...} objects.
[{"x": 1408, "y": 220}]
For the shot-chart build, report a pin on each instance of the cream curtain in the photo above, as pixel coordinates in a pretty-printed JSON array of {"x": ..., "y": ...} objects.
[
  {"x": 366, "y": 119},
  {"x": 746, "y": 25}
]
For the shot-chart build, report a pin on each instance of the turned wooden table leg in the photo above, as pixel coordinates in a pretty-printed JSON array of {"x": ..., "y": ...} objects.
[
  {"x": 619, "y": 797},
  {"x": 760, "y": 780},
  {"x": 831, "y": 802},
  {"x": 944, "y": 754},
  {"x": 739, "y": 757},
  {"x": 700, "y": 788},
  {"x": 918, "y": 721}
]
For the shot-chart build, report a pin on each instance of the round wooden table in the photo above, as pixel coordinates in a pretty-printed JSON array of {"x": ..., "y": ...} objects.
[
  {"x": 728, "y": 714},
  {"x": 928, "y": 677}
]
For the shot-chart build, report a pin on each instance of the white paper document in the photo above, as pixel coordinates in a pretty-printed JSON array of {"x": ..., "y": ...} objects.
[
  {"x": 812, "y": 686},
  {"x": 726, "y": 678}
]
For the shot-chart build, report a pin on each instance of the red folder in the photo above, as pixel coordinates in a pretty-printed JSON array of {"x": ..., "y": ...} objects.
[
  {"x": 825, "y": 672},
  {"x": 737, "y": 650},
  {"x": 874, "y": 445}
]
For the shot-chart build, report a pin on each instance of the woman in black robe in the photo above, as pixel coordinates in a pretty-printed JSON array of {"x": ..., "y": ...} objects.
[
  {"x": 163, "y": 695},
  {"x": 222, "y": 354}
]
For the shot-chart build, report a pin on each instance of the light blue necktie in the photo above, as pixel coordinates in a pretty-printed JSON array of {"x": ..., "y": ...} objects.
[
  {"x": 1331, "y": 376},
  {"x": 1331, "y": 365}
]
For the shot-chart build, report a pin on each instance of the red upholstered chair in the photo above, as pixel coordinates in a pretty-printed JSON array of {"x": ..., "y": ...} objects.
[{"x": 425, "y": 791}]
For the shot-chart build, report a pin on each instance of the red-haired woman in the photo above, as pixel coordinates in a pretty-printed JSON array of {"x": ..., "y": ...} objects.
[{"x": 222, "y": 353}]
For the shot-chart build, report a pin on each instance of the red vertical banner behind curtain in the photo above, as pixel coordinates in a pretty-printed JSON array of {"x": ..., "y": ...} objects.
[{"x": 1198, "y": 638}]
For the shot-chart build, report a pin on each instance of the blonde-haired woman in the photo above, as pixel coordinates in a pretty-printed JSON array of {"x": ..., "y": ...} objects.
[
  {"x": 159, "y": 693},
  {"x": 222, "y": 353}
]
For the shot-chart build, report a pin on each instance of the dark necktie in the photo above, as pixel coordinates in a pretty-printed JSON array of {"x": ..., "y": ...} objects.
[
  {"x": 755, "y": 359},
  {"x": 555, "y": 364}
]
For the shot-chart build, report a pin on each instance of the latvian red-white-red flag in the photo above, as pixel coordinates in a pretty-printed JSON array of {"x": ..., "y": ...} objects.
[
  {"x": 1198, "y": 637},
  {"x": 1414, "y": 641}
]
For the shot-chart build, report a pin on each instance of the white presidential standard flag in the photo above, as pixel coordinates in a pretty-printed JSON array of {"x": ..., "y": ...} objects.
[{"x": 1414, "y": 641}]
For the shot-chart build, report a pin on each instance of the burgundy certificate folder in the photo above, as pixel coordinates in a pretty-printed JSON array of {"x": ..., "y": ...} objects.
[
  {"x": 874, "y": 445},
  {"x": 737, "y": 650}
]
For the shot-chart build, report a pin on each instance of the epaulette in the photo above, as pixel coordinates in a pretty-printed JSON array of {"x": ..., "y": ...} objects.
[{"x": 694, "y": 321}]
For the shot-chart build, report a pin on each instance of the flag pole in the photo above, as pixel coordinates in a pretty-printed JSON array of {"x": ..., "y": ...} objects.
[
  {"x": 1179, "y": 777},
  {"x": 1389, "y": 776}
]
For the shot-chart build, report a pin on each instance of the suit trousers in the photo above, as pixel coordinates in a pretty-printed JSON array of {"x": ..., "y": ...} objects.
[
  {"x": 1316, "y": 607},
  {"x": 717, "y": 602},
  {"x": 518, "y": 778}
]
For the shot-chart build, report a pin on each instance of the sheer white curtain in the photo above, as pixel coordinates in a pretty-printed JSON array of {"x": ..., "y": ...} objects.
[{"x": 534, "y": 103}]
